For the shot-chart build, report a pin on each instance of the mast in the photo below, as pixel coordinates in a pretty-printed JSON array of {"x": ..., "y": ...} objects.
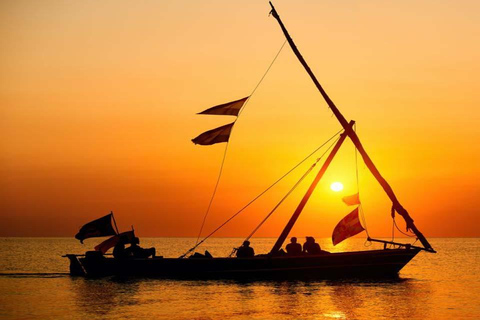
[
  {"x": 396, "y": 206},
  {"x": 296, "y": 214}
]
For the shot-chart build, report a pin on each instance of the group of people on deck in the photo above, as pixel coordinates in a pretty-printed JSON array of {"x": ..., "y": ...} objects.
[
  {"x": 293, "y": 248},
  {"x": 309, "y": 247}
]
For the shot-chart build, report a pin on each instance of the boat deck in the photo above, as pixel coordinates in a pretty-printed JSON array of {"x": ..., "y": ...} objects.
[{"x": 372, "y": 263}]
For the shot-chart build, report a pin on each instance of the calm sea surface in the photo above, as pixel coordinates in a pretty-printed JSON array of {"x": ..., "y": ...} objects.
[{"x": 34, "y": 284}]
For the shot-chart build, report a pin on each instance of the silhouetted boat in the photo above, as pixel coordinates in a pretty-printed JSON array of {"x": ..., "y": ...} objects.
[
  {"x": 372, "y": 263},
  {"x": 276, "y": 264}
]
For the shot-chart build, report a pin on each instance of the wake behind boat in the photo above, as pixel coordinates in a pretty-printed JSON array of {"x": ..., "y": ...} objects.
[{"x": 277, "y": 263}]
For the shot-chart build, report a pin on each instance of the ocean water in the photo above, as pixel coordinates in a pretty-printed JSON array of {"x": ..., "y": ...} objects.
[{"x": 34, "y": 284}]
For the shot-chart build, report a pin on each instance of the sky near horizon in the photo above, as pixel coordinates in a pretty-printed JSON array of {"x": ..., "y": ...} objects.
[{"x": 98, "y": 104}]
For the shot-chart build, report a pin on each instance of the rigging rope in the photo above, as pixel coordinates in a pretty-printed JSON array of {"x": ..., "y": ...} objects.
[
  {"x": 393, "y": 230},
  {"x": 394, "y": 225},
  {"x": 263, "y": 77},
  {"x": 261, "y": 194},
  {"x": 405, "y": 234},
  {"x": 362, "y": 214},
  {"x": 291, "y": 190},
  {"x": 226, "y": 146},
  {"x": 214, "y": 192}
]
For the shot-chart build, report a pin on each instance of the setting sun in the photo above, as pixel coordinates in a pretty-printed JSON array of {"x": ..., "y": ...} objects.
[{"x": 336, "y": 186}]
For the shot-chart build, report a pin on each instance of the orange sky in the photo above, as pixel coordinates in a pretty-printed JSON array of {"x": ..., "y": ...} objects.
[{"x": 98, "y": 103}]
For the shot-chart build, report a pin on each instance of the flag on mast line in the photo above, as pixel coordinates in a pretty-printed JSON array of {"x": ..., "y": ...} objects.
[
  {"x": 352, "y": 200},
  {"x": 220, "y": 134},
  {"x": 347, "y": 227},
  {"x": 100, "y": 227},
  {"x": 227, "y": 109},
  {"x": 217, "y": 135}
]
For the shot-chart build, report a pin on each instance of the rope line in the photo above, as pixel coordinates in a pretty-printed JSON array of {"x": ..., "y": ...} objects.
[
  {"x": 405, "y": 234},
  {"x": 261, "y": 194},
  {"x": 226, "y": 147},
  {"x": 263, "y": 77},
  {"x": 290, "y": 191},
  {"x": 214, "y": 193},
  {"x": 362, "y": 213},
  {"x": 393, "y": 230}
]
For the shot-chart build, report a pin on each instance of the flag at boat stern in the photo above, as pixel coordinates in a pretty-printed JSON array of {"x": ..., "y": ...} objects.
[
  {"x": 227, "y": 109},
  {"x": 217, "y": 135},
  {"x": 97, "y": 228},
  {"x": 112, "y": 241},
  {"x": 347, "y": 227}
]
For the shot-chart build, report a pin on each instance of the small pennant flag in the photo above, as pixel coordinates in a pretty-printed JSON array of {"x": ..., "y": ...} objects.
[
  {"x": 227, "y": 109},
  {"x": 347, "y": 227},
  {"x": 352, "y": 200},
  {"x": 217, "y": 135}
]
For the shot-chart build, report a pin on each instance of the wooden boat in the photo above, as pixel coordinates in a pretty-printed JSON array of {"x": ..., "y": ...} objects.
[{"x": 371, "y": 263}]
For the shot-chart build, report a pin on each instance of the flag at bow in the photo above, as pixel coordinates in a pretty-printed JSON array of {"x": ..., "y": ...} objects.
[
  {"x": 352, "y": 200},
  {"x": 347, "y": 227},
  {"x": 97, "y": 228},
  {"x": 112, "y": 241},
  {"x": 227, "y": 109}
]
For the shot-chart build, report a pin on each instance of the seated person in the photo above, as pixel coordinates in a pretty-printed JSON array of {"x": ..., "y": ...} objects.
[
  {"x": 197, "y": 255},
  {"x": 119, "y": 251},
  {"x": 311, "y": 247},
  {"x": 138, "y": 252},
  {"x": 294, "y": 248},
  {"x": 245, "y": 251}
]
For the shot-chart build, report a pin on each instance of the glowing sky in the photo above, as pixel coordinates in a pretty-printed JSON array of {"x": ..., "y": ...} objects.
[{"x": 98, "y": 103}]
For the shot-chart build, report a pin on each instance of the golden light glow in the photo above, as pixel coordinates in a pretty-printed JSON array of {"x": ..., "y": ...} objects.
[
  {"x": 96, "y": 114},
  {"x": 336, "y": 186}
]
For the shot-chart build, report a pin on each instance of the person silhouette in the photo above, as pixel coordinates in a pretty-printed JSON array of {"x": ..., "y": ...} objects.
[
  {"x": 311, "y": 247},
  {"x": 119, "y": 251},
  {"x": 294, "y": 248},
  {"x": 138, "y": 252},
  {"x": 245, "y": 251}
]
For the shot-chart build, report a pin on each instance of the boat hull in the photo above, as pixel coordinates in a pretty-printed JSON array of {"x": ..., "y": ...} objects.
[{"x": 373, "y": 263}]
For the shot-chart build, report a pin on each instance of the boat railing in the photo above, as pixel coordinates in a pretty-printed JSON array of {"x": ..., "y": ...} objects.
[
  {"x": 400, "y": 245},
  {"x": 83, "y": 255}
]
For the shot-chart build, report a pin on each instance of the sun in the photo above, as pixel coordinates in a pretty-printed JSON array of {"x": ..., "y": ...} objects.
[{"x": 336, "y": 186}]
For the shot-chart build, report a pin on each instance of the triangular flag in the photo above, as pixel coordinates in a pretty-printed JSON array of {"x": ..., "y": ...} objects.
[
  {"x": 352, "y": 200},
  {"x": 227, "y": 109},
  {"x": 217, "y": 135},
  {"x": 347, "y": 227}
]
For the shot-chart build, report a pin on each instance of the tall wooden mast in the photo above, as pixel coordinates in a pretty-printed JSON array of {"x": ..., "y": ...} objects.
[{"x": 396, "y": 206}]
